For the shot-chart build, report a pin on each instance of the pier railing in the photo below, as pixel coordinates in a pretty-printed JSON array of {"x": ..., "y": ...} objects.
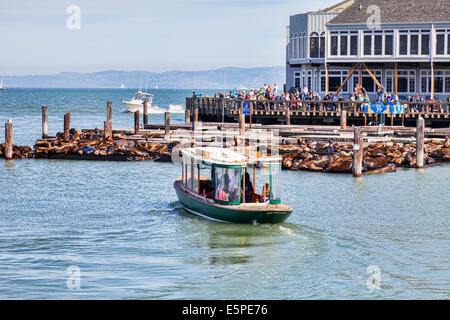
[{"x": 210, "y": 105}]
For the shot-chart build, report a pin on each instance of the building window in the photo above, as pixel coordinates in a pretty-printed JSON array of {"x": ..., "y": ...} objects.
[
  {"x": 378, "y": 47},
  {"x": 403, "y": 44},
  {"x": 335, "y": 79},
  {"x": 425, "y": 44},
  {"x": 353, "y": 45},
  {"x": 334, "y": 45},
  {"x": 367, "y": 44},
  {"x": 344, "y": 45},
  {"x": 378, "y": 43},
  {"x": 414, "y": 44},
  {"x": 388, "y": 45},
  {"x": 322, "y": 46},
  {"x": 406, "y": 81},
  {"x": 440, "y": 43},
  {"x": 297, "y": 77},
  {"x": 317, "y": 45}
]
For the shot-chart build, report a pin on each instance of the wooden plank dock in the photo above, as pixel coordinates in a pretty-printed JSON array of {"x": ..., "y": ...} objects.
[{"x": 436, "y": 114}]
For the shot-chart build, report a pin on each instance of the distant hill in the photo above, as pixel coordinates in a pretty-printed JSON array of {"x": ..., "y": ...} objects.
[{"x": 211, "y": 79}]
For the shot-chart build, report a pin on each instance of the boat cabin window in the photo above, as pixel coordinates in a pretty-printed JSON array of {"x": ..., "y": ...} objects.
[
  {"x": 228, "y": 185},
  {"x": 275, "y": 183}
]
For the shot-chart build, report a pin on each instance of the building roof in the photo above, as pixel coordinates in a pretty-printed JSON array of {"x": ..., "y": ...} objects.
[
  {"x": 339, "y": 7},
  {"x": 396, "y": 11}
]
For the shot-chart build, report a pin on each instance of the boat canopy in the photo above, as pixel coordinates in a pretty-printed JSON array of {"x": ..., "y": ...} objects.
[
  {"x": 227, "y": 184},
  {"x": 227, "y": 157},
  {"x": 144, "y": 94}
]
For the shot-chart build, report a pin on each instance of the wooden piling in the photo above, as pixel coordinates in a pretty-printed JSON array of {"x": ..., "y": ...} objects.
[
  {"x": 420, "y": 143},
  {"x": 66, "y": 126},
  {"x": 107, "y": 132},
  {"x": 187, "y": 116},
  {"x": 167, "y": 124},
  {"x": 109, "y": 111},
  {"x": 358, "y": 151},
  {"x": 44, "y": 122},
  {"x": 8, "y": 140},
  {"x": 343, "y": 119},
  {"x": 145, "y": 115},
  {"x": 195, "y": 120},
  {"x": 288, "y": 116},
  {"x": 242, "y": 124},
  {"x": 136, "y": 122}
]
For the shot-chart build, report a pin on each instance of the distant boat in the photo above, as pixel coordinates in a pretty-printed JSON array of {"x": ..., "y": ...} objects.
[
  {"x": 1, "y": 85},
  {"x": 137, "y": 103},
  {"x": 122, "y": 86}
]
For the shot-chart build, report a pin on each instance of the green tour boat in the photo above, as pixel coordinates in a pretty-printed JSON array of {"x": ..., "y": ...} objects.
[{"x": 227, "y": 192}]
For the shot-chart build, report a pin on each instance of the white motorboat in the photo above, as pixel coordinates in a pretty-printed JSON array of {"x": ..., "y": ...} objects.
[{"x": 137, "y": 103}]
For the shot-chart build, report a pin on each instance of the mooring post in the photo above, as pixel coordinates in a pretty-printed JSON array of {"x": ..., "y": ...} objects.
[
  {"x": 420, "y": 144},
  {"x": 187, "y": 116},
  {"x": 109, "y": 111},
  {"x": 8, "y": 140},
  {"x": 167, "y": 124},
  {"x": 288, "y": 115},
  {"x": 107, "y": 132},
  {"x": 195, "y": 120},
  {"x": 136, "y": 122},
  {"x": 44, "y": 122},
  {"x": 66, "y": 126},
  {"x": 242, "y": 124},
  {"x": 145, "y": 120},
  {"x": 343, "y": 119},
  {"x": 358, "y": 151}
]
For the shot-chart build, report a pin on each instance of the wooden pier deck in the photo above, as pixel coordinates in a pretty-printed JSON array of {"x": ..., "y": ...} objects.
[{"x": 436, "y": 114}]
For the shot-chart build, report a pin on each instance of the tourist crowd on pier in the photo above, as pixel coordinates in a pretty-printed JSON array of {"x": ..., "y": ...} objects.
[{"x": 359, "y": 95}]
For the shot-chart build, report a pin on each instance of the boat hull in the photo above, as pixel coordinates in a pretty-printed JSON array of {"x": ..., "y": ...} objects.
[{"x": 233, "y": 214}]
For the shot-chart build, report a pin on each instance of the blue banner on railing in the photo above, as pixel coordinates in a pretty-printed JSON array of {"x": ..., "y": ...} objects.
[
  {"x": 246, "y": 108},
  {"x": 380, "y": 108}
]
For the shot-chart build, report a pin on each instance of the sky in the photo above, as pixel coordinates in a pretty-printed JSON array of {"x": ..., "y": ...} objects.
[{"x": 143, "y": 35}]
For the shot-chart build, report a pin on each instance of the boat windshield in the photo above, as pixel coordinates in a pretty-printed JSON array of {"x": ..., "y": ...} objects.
[
  {"x": 228, "y": 182},
  {"x": 275, "y": 183}
]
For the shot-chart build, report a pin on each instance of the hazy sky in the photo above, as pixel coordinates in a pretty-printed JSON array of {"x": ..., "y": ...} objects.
[{"x": 145, "y": 35}]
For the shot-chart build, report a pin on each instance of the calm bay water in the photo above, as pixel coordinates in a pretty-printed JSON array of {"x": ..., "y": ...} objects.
[{"x": 121, "y": 224}]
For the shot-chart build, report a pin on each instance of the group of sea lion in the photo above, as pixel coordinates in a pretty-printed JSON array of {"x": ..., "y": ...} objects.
[
  {"x": 92, "y": 142},
  {"x": 379, "y": 157},
  {"x": 19, "y": 152}
]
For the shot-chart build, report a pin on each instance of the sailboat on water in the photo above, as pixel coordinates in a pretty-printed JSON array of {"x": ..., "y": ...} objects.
[{"x": 1, "y": 85}]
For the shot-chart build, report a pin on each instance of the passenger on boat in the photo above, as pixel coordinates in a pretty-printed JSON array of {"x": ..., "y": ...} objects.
[
  {"x": 223, "y": 193},
  {"x": 247, "y": 188},
  {"x": 265, "y": 196}
]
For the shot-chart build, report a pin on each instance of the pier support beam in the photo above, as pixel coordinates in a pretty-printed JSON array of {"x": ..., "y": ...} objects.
[
  {"x": 66, "y": 126},
  {"x": 145, "y": 116},
  {"x": 167, "y": 125},
  {"x": 358, "y": 151},
  {"x": 187, "y": 116},
  {"x": 109, "y": 111},
  {"x": 288, "y": 115},
  {"x": 420, "y": 144},
  {"x": 107, "y": 132},
  {"x": 343, "y": 119},
  {"x": 44, "y": 122},
  {"x": 8, "y": 140},
  {"x": 242, "y": 124},
  {"x": 136, "y": 122},
  {"x": 195, "y": 120}
]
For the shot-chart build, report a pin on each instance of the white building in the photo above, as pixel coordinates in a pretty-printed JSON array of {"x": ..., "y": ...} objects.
[{"x": 404, "y": 43}]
